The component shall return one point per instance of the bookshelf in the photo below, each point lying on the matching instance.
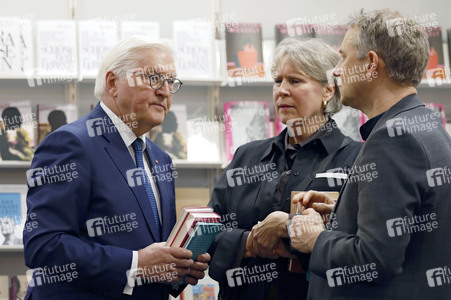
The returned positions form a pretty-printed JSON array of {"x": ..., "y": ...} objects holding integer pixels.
[{"x": 203, "y": 97}]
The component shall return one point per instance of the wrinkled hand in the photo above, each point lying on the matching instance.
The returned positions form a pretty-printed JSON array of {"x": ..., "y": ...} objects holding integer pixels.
[
  {"x": 267, "y": 234},
  {"x": 305, "y": 229},
  {"x": 168, "y": 264},
  {"x": 320, "y": 202},
  {"x": 198, "y": 269}
]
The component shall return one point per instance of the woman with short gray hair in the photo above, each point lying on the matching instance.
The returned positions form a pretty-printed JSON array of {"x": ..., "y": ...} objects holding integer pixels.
[{"x": 250, "y": 259}]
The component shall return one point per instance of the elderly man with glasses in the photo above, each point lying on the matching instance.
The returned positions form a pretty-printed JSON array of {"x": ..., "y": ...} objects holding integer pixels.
[{"x": 100, "y": 235}]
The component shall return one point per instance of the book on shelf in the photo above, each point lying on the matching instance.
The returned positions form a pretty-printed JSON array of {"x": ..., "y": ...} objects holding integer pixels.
[
  {"x": 171, "y": 135},
  {"x": 95, "y": 39},
  {"x": 16, "y": 47},
  {"x": 436, "y": 65},
  {"x": 4, "y": 287},
  {"x": 205, "y": 289},
  {"x": 56, "y": 48},
  {"x": 332, "y": 36},
  {"x": 17, "y": 125},
  {"x": 439, "y": 110},
  {"x": 204, "y": 140},
  {"x": 193, "y": 48},
  {"x": 294, "y": 265},
  {"x": 293, "y": 30},
  {"x": 52, "y": 116},
  {"x": 12, "y": 214},
  {"x": 186, "y": 223},
  {"x": 244, "y": 50},
  {"x": 145, "y": 28},
  {"x": 19, "y": 286},
  {"x": 246, "y": 121}
]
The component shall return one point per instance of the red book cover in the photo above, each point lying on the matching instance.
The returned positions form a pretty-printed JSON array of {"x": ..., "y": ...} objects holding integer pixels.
[
  {"x": 436, "y": 65},
  {"x": 244, "y": 50}
]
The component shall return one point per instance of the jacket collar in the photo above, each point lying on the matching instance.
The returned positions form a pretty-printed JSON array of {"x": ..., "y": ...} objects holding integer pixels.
[{"x": 331, "y": 139}]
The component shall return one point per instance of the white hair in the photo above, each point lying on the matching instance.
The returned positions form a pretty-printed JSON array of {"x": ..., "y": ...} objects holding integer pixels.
[{"x": 124, "y": 56}]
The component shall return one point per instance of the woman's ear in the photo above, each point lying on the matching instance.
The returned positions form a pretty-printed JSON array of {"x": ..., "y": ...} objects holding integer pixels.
[{"x": 329, "y": 91}]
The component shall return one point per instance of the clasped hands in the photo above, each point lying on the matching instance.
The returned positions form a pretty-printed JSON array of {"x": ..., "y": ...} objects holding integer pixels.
[
  {"x": 265, "y": 238},
  {"x": 171, "y": 264}
]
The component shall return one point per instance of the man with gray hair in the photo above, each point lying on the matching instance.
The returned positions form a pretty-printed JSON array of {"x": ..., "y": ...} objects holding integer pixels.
[
  {"x": 389, "y": 236},
  {"x": 101, "y": 235}
]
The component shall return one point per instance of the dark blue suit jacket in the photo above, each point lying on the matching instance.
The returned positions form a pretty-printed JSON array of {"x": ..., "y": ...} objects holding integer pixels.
[
  {"x": 385, "y": 223},
  {"x": 64, "y": 211}
]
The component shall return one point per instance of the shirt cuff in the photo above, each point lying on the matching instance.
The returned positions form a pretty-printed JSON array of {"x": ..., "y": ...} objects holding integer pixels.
[{"x": 128, "y": 290}]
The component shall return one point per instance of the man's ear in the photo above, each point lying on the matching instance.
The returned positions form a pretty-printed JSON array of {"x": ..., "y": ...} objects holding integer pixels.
[
  {"x": 110, "y": 83},
  {"x": 373, "y": 59}
]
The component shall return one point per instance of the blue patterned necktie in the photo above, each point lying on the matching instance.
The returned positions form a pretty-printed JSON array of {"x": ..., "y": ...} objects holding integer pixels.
[{"x": 138, "y": 148}]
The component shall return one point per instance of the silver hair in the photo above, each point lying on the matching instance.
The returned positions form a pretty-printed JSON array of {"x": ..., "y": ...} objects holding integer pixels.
[
  {"x": 314, "y": 58},
  {"x": 399, "y": 40},
  {"x": 125, "y": 56}
]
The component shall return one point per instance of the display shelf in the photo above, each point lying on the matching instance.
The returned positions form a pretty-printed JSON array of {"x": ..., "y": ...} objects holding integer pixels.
[
  {"x": 186, "y": 164},
  {"x": 11, "y": 248},
  {"x": 15, "y": 164}
]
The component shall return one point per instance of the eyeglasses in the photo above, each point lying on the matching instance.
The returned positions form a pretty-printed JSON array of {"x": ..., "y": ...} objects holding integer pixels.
[{"x": 157, "y": 81}]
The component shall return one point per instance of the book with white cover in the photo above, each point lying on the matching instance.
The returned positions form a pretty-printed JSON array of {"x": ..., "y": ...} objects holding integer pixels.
[
  {"x": 145, "y": 28},
  {"x": 193, "y": 47},
  {"x": 12, "y": 214},
  {"x": 95, "y": 39},
  {"x": 16, "y": 47},
  {"x": 56, "y": 47}
]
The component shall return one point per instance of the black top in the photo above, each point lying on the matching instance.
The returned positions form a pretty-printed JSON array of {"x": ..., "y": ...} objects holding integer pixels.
[{"x": 244, "y": 195}]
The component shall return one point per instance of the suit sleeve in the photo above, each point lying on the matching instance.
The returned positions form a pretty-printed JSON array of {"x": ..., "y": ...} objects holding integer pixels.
[
  {"x": 400, "y": 163},
  {"x": 227, "y": 249},
  {"x": 60, "y": 208}
]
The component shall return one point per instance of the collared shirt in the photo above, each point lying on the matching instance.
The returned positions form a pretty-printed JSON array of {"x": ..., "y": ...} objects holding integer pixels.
[
  {"x": 366, "y": 128},
  {"x": 129, "y": 137}
]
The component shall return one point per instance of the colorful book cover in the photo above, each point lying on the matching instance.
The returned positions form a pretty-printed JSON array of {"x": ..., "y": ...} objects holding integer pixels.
[
  {"x": 172, "y": 134},
  {"x": 293, "y": 30},
  {"x": 193, "y": 47},
  {"x": 19, "y": 286},
  {"x": 204, "y": 292},
  {"x": 244, "y": 50},
  {"x": 12, "y": 215},
  {"x": 17, "y": 124},
  {"x": 332, "y": 36},
  {"x": 16, "y": 47},
  {"x": 246, "y": 121},
  {"x": 439, "y": 109},
  {"x": 53, "y": 116},
  {"x": 436, "y": 64},
  {"x": 95, "y": 39}
]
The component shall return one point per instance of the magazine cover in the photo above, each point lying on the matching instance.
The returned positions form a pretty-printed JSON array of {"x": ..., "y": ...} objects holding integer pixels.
[
  {"x": 95, "y": 39},
  {"x": 53, "y": 116},
  {"x": 193, "y": 48},
  {"x": 16, "y": 47},
  {"x": 293, "y": 30},
  {"x": 17, "y": 124},
  {"x": 246, "y": 121},
  {"x": 332, "y": 36},
  {"x": 244, "y": 50},
  {"x": 439, "y": 109},
  {"x": 12, "y": 215},
  {"x": 436, "y": 64},
  {"x": 171, "y": 135}
]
